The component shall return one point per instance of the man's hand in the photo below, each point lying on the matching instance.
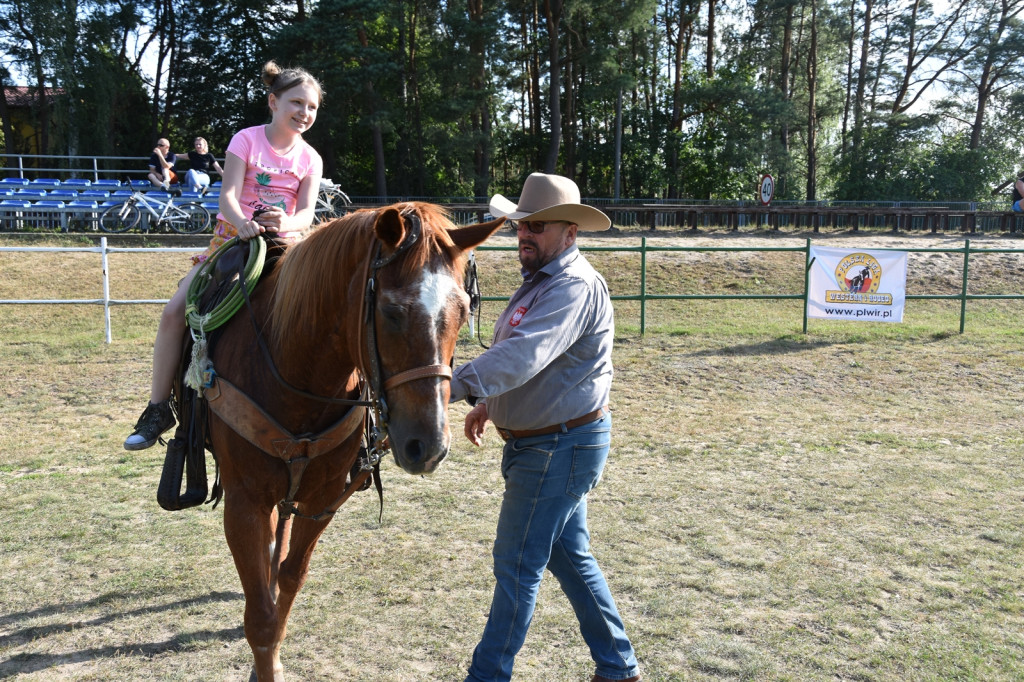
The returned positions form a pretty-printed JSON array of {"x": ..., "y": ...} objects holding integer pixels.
[{"x": 476, "y": 423}]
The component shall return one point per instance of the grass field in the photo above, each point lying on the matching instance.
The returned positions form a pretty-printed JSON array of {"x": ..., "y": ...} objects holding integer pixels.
[{"x": 844, "y": 504}]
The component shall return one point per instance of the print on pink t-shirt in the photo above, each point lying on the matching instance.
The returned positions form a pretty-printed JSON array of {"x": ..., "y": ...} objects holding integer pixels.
[{"x": 272, "y": 180}]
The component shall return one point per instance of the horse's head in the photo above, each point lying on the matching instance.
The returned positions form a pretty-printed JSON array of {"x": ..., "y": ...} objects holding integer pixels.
[{"x": 418, "y": 308}]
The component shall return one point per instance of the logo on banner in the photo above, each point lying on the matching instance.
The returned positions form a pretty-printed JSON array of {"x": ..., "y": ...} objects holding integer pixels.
[{"x": 858, "y": 276}]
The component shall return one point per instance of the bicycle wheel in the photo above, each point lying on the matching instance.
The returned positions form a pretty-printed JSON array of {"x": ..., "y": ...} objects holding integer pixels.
[
  {"x": 190, "y": 218},
  {"x": 120, "y": 217},
  {"x": 325, "y": 207}
]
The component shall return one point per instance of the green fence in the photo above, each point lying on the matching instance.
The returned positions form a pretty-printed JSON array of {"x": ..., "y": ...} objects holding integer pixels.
[{"x": 643, "y": 297}]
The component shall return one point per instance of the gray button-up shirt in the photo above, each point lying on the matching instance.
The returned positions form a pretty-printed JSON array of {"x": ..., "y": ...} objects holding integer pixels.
[{"x": 551, "y": 358}]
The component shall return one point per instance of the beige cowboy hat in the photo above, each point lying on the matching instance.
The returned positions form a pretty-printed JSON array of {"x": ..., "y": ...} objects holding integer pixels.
[{"x": 550, "y": 197}]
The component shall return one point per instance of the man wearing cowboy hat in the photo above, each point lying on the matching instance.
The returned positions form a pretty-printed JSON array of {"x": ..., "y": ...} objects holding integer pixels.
[{"x": 544, "y": 383}]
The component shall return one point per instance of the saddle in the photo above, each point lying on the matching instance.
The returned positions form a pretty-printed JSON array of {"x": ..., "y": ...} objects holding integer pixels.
[{"x": 186, "y": 451}]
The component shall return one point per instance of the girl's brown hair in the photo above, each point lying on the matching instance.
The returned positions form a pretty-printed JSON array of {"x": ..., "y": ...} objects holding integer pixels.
[{"x": 278, "y": 80}]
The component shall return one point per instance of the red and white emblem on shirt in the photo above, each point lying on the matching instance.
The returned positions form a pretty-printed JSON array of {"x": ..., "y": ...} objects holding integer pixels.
[{"x": 517, "y": 317}]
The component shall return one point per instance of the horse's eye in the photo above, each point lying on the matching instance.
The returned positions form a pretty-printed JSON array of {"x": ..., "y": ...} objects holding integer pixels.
[{"x": 393, "y": 314}]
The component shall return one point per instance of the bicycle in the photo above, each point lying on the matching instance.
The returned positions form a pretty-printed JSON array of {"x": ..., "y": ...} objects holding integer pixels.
[
  {"x": 331, "y": 202},
  {"x": 188, "y": 218}
]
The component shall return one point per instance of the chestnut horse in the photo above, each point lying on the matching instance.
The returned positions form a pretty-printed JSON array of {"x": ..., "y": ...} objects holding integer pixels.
[{"x": 360, "y": 318}]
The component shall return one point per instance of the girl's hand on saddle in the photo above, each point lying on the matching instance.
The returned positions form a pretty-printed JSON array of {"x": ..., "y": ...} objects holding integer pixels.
[
  {"x": 271, "y": 220},
  {"x": 263, "y": 220},
  {"x": 249, "y": 229}
]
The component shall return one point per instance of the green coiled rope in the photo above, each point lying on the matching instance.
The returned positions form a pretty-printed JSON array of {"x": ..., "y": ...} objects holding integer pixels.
[{"x": 226, "y": 309}]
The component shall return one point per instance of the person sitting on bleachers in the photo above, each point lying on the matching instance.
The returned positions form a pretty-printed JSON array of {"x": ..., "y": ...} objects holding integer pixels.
[
  {"x": 201, "y": 162},
  {"x": 161, "y": 165}
]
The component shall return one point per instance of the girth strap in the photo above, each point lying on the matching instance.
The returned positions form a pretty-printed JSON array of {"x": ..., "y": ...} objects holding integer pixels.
[{"x": 250, "y": 421}]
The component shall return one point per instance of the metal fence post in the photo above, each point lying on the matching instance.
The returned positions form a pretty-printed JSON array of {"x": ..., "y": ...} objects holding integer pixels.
[
  {"x": 106, "y": 288},
  {"x": 963, "y": 287},
  {"x": 807, "y": 279},
  {"x": 643, "y": 285}
]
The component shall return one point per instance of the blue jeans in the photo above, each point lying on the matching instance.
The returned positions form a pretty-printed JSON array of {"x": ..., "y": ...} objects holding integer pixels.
[
  {"x": 196, "y": 180},
  {"x": 543, "y": 524}
]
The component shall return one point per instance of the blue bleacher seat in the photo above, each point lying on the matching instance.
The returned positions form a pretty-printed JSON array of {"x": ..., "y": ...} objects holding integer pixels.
[
  {"x": 15, "y": 203},
  {"x": 76, "y": 183},
  {"x": 14, "y": 182},
  {"x": 61, "y": 195},
  {"x": 30, "y": 193},
  {"x": 188, "y": 194},
  {"x": 93, "y": 194},
  {"x": 122, "y": 193},
  {"x": 158, "y": 194},
  {"x": 213, "y": 206},
  {"x": 103, "y": 182},
  {"x": 82, "y": 204},
  {"x": 49, "y": 203},
  {"x": 45, "y": 182}
]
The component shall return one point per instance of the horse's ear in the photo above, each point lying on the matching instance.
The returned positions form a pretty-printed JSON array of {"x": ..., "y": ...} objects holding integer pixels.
[
  {"x": 474, "y": 235},
  {"x": 389, "y": 227}
]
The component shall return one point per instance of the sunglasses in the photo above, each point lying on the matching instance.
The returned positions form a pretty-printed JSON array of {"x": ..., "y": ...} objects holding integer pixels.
[{"x": 534, "y": 226}]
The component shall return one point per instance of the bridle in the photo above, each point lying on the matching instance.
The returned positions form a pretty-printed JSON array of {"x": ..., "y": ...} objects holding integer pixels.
[
  {"x": 373, "y": 385},
  {"x": 369, "y": 352}
]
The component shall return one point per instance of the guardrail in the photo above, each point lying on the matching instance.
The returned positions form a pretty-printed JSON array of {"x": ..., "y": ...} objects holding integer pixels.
[
  {"x": 105, "y": 300},
  {"x": 20, "y": 215},
  {"x": 641, "y": 296}
]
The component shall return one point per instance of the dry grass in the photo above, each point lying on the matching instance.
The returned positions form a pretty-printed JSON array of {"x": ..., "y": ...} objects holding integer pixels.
[{"x": 841, "y": 505}]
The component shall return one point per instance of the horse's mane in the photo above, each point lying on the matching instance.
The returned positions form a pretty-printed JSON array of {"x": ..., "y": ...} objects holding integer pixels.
[{"x": 315, "y": 275}]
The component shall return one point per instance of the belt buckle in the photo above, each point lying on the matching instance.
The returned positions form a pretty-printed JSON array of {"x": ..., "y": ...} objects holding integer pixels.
[{"x": 505, "y": 434}]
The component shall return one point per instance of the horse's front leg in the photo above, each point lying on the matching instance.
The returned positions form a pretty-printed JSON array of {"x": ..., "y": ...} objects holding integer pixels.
[
  {"x": 250, "y": 530},
  {"x": 293, "y": 571}
]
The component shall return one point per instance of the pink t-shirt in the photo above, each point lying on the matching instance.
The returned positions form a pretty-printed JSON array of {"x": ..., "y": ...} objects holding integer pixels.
[{"x": 272, "y": 179}]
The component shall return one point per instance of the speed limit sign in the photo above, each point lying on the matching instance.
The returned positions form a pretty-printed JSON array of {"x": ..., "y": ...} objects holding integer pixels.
[{"x": 767, "y": 189}]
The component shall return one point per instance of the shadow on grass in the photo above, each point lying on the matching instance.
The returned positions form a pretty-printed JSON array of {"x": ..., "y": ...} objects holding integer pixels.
[
  {"x": 779, "y": 346},
  {"x": 25, "y": 662}
]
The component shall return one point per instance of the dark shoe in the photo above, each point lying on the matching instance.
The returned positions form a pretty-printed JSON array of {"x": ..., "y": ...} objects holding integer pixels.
[
  {"x": 157, "y": 419},
  {"x": 601, "y": 678}
]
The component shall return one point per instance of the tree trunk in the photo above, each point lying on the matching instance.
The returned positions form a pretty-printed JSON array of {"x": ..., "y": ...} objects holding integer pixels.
[
  {"x": 552, "y": 17},
  {"x": 480, "y": 118},
  {"x": 862, "y": 76},
  {"x": 848, "y": 100},
  {"x": 710, "y": 58},
  {"x": 380, "y": 183},
  {"x": 812, "y": 113},
  {"x": 618, "y": 146},
  {"x": 680, "y": 44},
  {"x": 784, "y": 90},
  {"x": 5, "y": 117}
]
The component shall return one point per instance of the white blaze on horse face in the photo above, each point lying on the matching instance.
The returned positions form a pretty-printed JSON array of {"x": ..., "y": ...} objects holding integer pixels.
[{"x": 435, "y": 295}]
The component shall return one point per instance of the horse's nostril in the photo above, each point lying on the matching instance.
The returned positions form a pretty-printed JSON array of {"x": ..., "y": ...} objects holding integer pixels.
[{"x": 414, "y": 450}]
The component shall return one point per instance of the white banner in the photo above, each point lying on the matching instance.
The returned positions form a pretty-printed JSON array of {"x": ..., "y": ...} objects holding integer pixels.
[{"x": 847, "y": 284}]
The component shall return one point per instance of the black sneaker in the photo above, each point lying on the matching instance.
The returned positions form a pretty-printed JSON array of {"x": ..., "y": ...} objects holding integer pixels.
[{"x": 157, "y": 419}]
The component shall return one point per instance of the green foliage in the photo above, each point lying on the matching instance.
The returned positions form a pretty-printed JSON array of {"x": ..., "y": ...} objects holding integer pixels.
[
  {"x": 728, "y": 119},
  {"x": 427, "y": 99}
]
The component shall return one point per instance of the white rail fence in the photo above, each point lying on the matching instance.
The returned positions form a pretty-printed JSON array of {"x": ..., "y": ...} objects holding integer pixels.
[{"x": 105, "y": 301}]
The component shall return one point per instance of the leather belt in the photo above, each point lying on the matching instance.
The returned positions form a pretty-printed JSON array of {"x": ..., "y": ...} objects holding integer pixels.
[{"x": 509, "y": 434}]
